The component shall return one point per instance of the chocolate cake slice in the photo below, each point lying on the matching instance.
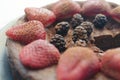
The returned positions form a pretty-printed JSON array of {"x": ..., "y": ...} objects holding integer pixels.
[{"x": 99, "y": 41}]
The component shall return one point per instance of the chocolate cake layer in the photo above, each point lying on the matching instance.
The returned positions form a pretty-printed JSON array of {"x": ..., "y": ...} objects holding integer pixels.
[{"x": 100, "y": 39}]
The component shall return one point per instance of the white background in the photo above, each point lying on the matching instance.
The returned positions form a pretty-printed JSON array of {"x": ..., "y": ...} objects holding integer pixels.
[{"x": 11, "y": 9}]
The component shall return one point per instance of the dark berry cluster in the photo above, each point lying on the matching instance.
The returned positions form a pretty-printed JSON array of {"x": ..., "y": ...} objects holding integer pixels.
[
  {"x": 100, "y": 21},
  {"x": 79, "y": 33},
  {"x": 76, "y": 20},
  {"x": 81, "y": 30},
  {"x": 62, "y": 28},
  {"x": 59, "y": 42},
  {"x": 88, "y": 26}
]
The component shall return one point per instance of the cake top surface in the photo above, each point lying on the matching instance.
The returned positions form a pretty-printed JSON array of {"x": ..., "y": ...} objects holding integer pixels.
[{"x": 91, "y": 25}]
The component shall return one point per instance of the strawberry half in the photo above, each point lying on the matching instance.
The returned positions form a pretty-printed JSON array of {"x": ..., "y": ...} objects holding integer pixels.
[
  {"x": 115, "y": 13},
  {"x": 44, "y": 15},
  {"x": 66, "y": 9},
  {"x": 39, "y": 54},
  {"x": 94, "y": 7},
  {"x": 27, "y": 32},
  {"x": 111, "y": 63},
  {"x": 77, "y": 63}
]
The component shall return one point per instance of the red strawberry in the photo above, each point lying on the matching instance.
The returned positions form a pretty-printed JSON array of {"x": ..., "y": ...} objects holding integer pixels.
[
  {"x": 77, "y": 63},
  {"x": 111, "y": 63},
  {"x": 39, "y": 54},
  {"x": 66, "y": 8},
  {"x": 115, "y": 13},
  {"x": 27, "y": 32},
  {"x": 44, "y": 15},
  {"x": 93, "y": 7}
]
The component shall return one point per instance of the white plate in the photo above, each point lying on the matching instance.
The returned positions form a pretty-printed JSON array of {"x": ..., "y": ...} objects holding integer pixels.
[{"x": 5, "y": 71}]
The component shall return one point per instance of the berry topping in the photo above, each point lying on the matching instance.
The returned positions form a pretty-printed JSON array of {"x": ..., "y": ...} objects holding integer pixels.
[
  {"x": 77, "y": 19},
  {"x": 39, "y": 54},
  {"x": 88, "y": 26},
  {"x": 27, "y": 32},
  {"x": 111, "y": 63},
  {"x": 79, "y": 33},
  {"x": 78, "y": 63},
  {"x": 93, "y": 7},
  {"x": 115, "y": 13},
  {"x": 43, "y": 15},
  {"x": 66, "y": 9},
  {"x": 59, "y": 42},
  {"x": 62, "y": 28},
  {"x": 100, "y": 21}
]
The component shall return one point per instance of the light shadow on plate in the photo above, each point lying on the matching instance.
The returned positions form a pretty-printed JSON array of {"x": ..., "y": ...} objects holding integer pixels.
[{"x": 5, "y": 71}]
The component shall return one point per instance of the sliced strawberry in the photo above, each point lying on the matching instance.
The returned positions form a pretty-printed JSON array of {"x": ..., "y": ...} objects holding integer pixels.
[
  {"x": 44, "y": 15},
  {"x": 65, "y": 9},
  {"x": 77, "y": 63},
  {"x": 115, "y": 13},
  {"x": 39, "y": 54},
  {"x": 93, "y": 7},
  {"x": 111, "y": 63},
  {"x": 27, "y": 32}
]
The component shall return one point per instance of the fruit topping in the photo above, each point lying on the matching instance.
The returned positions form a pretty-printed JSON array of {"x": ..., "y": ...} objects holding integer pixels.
[
  {"x": 44, "y": 15},
  {"x": 76, "y": 20},
  {"x": 111, "y": 63},
  {"x": 77, "y": 63},
  {"x": 93, "y": 7},
  {"x": 79, "y": 33},
  {"x": 27, "y": 32},
  {"x": 115, "y": 13},
  {"x": 66, "y": 9},
  {"x": 39, "y": 54},
  {"x": 59, "y": 42},
  {"x": 88, "y": 26},
  {"x": 100, "y": 21},
  {"x": 62, "y": 28}
]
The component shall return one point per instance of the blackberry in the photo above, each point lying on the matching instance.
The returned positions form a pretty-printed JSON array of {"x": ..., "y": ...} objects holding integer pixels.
[
  {"x": 77, "y": 19},
  {"x": 100, "y": 21},
  {"x": 59, "y": 42},
  {"x": 88, "y": 26},
  {"x": 79, "y": 33},
  {"x": 62, "y": 28}
]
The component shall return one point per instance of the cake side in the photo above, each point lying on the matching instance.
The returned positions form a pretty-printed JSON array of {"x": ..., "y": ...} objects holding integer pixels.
[{"x": 50, "y": 72}]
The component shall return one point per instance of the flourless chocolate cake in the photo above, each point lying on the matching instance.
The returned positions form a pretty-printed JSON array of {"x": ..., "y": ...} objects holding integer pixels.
[{"x": 99, "y": 32}]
